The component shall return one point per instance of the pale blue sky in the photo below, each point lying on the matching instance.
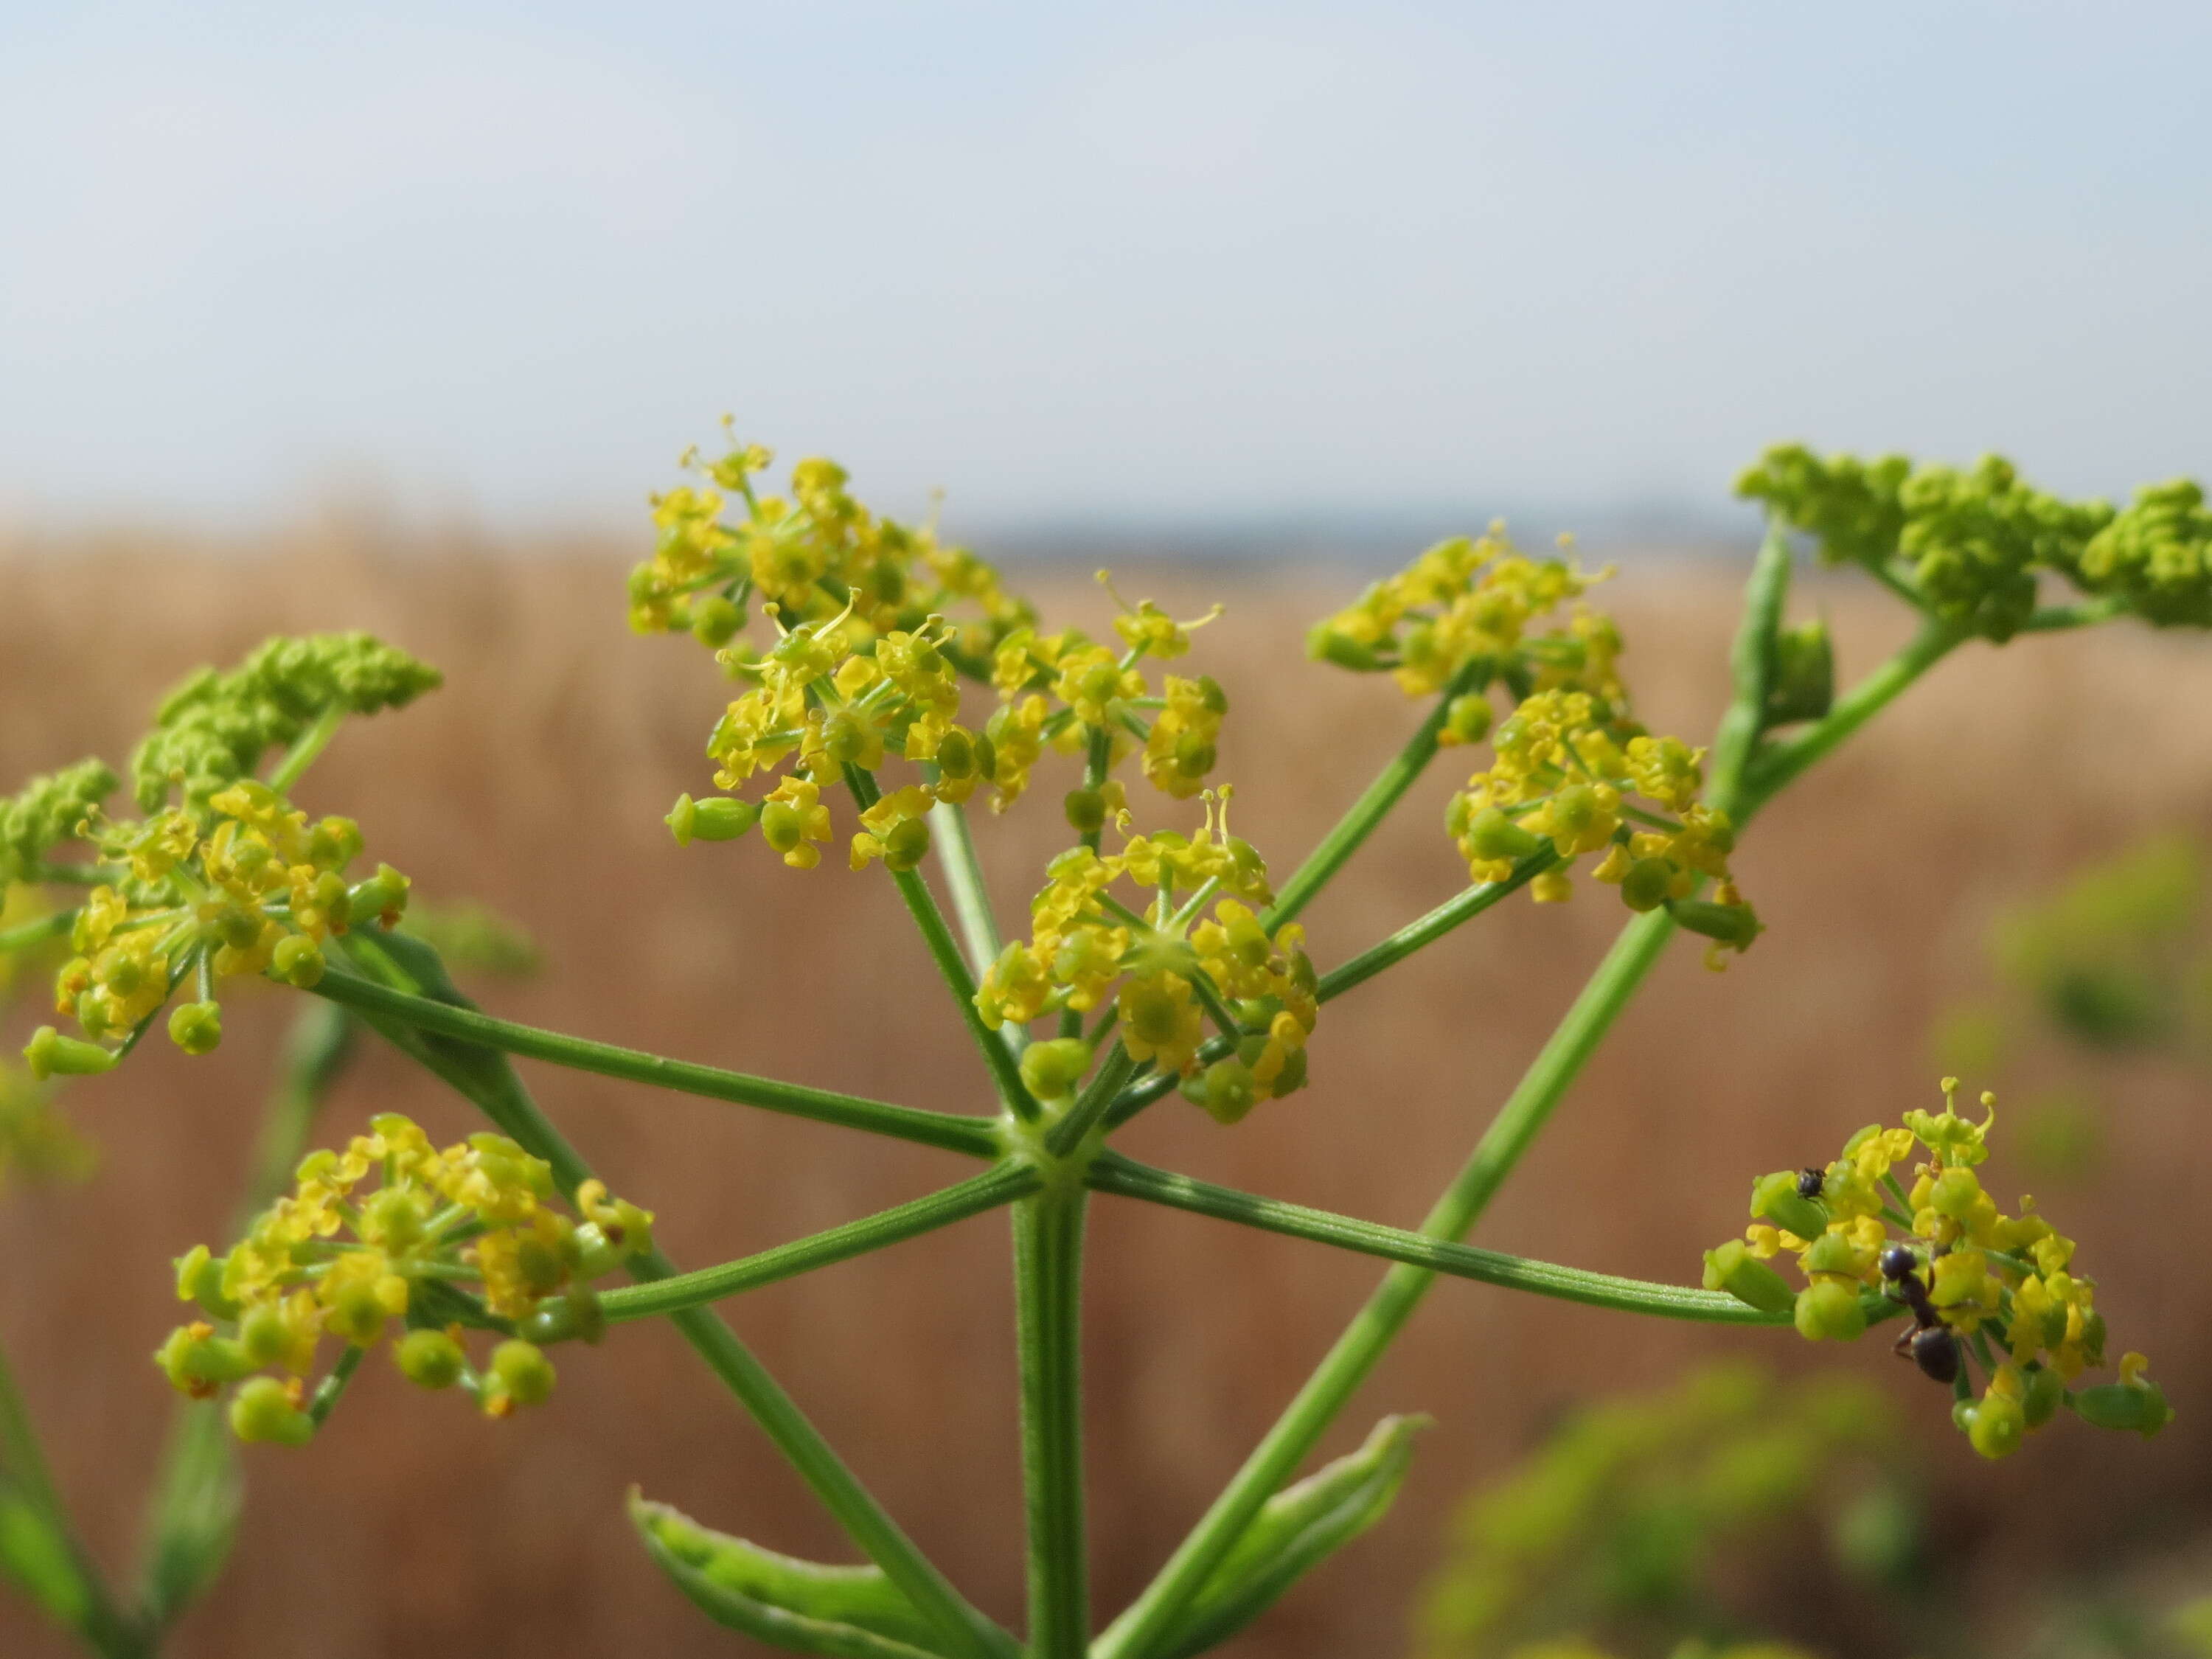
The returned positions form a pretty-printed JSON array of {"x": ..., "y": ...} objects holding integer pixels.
[{"x": 1178, "y": 263}]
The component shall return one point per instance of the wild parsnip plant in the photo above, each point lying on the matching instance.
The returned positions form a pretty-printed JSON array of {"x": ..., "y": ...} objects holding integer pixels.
[{"x": 887, "y": 685}]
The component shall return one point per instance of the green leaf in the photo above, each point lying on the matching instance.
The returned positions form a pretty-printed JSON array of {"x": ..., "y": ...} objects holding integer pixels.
[
  {"x": 849, "y": 1613},
  {"x": 1294, "y": 1530},
  {"x": 193, "y": 1517},
  {"x": 39, "y": 1559}
]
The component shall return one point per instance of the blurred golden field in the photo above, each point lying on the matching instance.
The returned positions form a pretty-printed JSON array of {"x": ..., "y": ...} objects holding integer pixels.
[{"x": 536, "y": 782}]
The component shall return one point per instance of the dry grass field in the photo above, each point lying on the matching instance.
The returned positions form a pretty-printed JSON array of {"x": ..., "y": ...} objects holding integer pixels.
[{"x": 536, "y": 782}]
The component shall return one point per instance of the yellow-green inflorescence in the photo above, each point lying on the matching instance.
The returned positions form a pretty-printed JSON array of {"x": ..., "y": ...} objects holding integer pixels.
[
  {"x": 1985, "y": 1291},
  {"x": 1567, "y": 760},
  {"x": 855, "y": 639},
  {"x": 853, "y": 635},
  {"x": 1168, "y": 969},
  {"x": 393, "y": 1235},
  {"x": 1972, "y": 543},
  {"x": 221, "y": 876}
]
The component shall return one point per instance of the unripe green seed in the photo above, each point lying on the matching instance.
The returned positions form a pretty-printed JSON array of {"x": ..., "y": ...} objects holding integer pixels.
[
  {"x": 1645, "y": 886},
  {"x": 1468, "y": 718},
  {"x": 1085, "y": 810},
  {"x": 523, "y": 1370},
  {"x": 49, "y": 1054},
  {"x": 906, "y": 844},
  {"x": 1732, "y": 1267},
  {"x": 299, "y": 961},
  {"x": 955, "y": 755},
  {"x": 1491, "y": 835},
  {"x": 1775, "y": 1198},
  {"x": 1995, "y": 1425},
  {"x": 1829, "y": 1311},
  {"x": 1053, "y": 1069},
  {"x": 197, "y": 1027},
  {"x": 715, "y": 620},
  {"x": 262, "y": 1409},
  {"x": 430, "y": 1359}
]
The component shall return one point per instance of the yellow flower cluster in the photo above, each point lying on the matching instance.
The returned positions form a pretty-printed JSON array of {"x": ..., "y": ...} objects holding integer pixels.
[
  {"x": 1469, "y": 603},
  {"x": 1564, "y": 767},
  {"x": 1981, "y": 1286},
  {"x": 1568, "y": 756},
  {"x": 251, "y": 887},
  {"x": 343, "y": 1255},
  {"x": 810, "y": 554},
  {"x": 875, "y": 628},
  {"x": 1168, "y": 966}
]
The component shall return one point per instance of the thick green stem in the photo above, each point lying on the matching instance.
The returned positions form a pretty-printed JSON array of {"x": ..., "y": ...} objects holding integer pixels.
[
  {"x": 974, "y": 1136},
  {"x": 1752, "y": 664},
  {"x": 1369, "y": 810},
  {"x": 1113, "y": 1173},
  {"x": 485, "y": 1077},
  {"x": 1148, "y": 1619},
  {"x": 1779, "y": 765},
  {"x": 1002, "y": 1184},
  {"x": 1048, "y": 1328},
  {"x": 305, "y": 747}
]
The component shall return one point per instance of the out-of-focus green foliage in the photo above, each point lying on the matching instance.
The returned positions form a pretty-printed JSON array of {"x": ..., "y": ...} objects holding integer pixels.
[
  {"x": 1618, "y": 1527},
  {"x": 475, "y": 938}
]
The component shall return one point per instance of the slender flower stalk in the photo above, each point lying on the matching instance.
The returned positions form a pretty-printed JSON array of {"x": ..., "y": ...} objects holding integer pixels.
[
  {"x": 975, "y": 1137},
  {"x": 1001, "y": 1184}
]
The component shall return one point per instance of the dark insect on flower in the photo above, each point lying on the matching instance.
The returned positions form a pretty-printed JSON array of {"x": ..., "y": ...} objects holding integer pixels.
[
  {"x": 1935, "y": 1349},
  {"x": 1898, "y": 1261},
  {"x": 1810, "y": 1180}
]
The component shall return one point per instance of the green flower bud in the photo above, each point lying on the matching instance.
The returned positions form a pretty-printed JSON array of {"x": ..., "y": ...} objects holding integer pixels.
[
  {"x": 1804, "y": 683},
  {"x": 394, "y": 1217},
  {"x": 2140, "y": 1406},
  {"x": 1210, "y": 694},
  {"x": 1291, "y": 1078},
  {"x": 715, "y": 620},
  {"x": 1194, "y": 755},
  {"x": 522, "y": 1372},
  {"x": 329, "y": 894},
  {"x": 987, "y": 756},
  {"x": 1828, "y": 1311},
  {"x": 1732, "y": 1267},
  {"x": 1995, "y": 1425},
  {"x": 120, "y": 970},
  {"x": 49, "y": 1054},
  {"x": 430, "y": 1359},
  {"x": 197, "y": 1027},
  {"x": 718, "y": 817},
  {"x": 1775, "y": 1198},
  {"x": 1053, "y": 1069},
  {"x": 299, "y": 961},
  {"x": 1085, "y": 810},
  {"x": 1468, "y": 717},
  {"x": 262, "y": 1409},
  {"x": 1325, "y": 644},
  {"x": 1491, "y": 835},
  {"x": 335, "y": 843}
]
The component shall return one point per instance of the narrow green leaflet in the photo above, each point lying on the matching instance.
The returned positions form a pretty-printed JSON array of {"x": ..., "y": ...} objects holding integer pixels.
[
  {"x": 1296, "y": 1529},
  {"x": 846, "y": 1611},
  {"x": 194, "y": 1515},
  {"x": 38, "y": 1560}
]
